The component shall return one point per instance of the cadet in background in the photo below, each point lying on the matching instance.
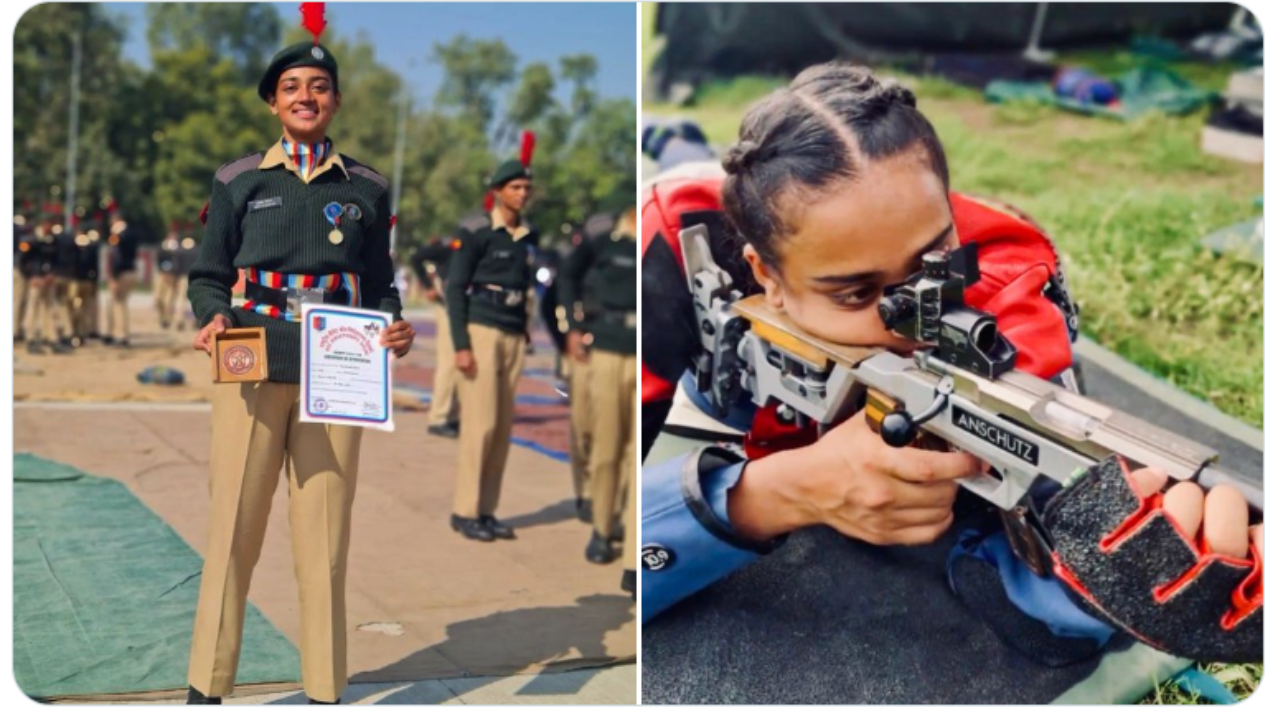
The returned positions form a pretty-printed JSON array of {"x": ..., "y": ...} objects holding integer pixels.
[
  {"x": 431, "y": 266},
  {"x": 603, "y": 338}
]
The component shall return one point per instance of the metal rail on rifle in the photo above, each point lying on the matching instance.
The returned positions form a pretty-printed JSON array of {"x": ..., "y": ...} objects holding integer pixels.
[{"x": 963, "y": 389}]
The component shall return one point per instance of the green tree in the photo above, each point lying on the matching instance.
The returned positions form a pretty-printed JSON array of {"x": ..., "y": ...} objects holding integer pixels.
[
  {"x": 474, "y": 72},
  {"x": 247, "y": 33},
  {"x": 580, "y": 71},
  {"x": 211, "y": 123},
  {"x": 532, "y": 98},
  {"x": 43, "y": 42}
]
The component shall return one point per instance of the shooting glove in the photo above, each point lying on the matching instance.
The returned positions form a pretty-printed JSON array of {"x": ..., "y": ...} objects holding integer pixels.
[{"x": 1131, "y": 566}]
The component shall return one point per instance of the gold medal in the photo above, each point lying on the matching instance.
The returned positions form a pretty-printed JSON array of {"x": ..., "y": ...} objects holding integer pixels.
[{"x": 335, "y": 236}]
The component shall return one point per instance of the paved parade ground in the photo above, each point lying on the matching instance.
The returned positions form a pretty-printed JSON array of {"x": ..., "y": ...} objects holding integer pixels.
[{"x": 432, "y": 618}]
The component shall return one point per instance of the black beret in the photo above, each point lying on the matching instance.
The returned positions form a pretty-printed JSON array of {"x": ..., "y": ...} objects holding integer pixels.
[
  {"x": 304, "y": 54},
  {"x": 508, "y": 171}
]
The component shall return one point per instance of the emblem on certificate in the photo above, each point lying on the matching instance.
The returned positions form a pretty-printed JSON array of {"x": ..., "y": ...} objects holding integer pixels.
[{"x": 240, "y": 355}]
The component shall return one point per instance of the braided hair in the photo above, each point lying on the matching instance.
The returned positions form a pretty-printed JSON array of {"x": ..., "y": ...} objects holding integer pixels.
[{"x": 824, "y": 127}]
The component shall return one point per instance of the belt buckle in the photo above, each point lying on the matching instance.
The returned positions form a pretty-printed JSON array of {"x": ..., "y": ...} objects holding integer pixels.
[
  {"x": 295, "y": 298},
  {"x": 513, "y": 298}
]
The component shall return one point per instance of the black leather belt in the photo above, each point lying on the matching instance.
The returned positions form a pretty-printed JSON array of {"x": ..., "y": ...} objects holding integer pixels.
[
  {"x": 291, "y": 299},
  {"x": 506, "y": 297}
]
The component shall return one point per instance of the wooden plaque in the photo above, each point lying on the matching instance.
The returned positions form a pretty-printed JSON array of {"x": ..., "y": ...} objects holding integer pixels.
[{"x": 240, "y": 355}]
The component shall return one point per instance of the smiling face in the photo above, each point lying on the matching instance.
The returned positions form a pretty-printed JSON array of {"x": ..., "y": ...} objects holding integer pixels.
[
  {"x": 849, "y": 241},
  {"x": 305, "y": 101}
]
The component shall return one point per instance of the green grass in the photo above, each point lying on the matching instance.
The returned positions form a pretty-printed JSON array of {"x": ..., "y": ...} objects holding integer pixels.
[
  {"x": 939, "y": 89},
  {"x": 1241, "y": 680},
  {"x": 1126, "y": 206},
  {"x": 1108, "y": 63}
]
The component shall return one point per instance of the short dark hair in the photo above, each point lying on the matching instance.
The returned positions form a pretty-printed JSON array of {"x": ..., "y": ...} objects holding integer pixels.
[{"x": 821, "y": 128}]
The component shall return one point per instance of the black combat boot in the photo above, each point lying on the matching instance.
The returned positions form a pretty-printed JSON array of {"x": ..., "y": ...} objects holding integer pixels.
[
  {"x": 599, "y": 551},
  {"x": 500, "y": 530},
  {"x": 444, "y": 431},
  {"x": 471, "y": 529}
]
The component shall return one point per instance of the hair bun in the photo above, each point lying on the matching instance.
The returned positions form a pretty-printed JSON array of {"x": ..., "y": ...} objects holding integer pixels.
[{"x": 740, "y": 156}]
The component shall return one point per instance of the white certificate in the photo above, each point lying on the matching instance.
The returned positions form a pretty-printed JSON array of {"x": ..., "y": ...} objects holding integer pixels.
[{"x": 346, "y": 373}]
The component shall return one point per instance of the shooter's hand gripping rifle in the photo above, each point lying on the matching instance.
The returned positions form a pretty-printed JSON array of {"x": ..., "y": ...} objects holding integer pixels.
[{"x": 1096, "y": 535}]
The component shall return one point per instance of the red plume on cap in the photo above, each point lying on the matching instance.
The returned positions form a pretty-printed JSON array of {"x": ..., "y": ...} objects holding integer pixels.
[
  {"x": 526, "y": 148},
  {"x": 313, "y": 19}
]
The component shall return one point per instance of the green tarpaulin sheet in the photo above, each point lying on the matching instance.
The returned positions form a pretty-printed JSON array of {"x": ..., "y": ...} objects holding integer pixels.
[
  {"x": 1141, "y": 91},
  {"x": 105, "y": 592}
]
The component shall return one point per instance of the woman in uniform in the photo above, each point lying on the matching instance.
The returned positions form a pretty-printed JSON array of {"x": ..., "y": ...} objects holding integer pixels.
[{"x": 297, "y": 216}]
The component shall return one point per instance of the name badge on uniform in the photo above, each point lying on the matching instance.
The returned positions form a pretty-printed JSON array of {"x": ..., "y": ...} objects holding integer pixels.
[{"x": 274, "y": 202}]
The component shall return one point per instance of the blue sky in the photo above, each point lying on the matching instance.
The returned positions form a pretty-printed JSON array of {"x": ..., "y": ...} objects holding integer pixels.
[{"x": 405, "y": 31}]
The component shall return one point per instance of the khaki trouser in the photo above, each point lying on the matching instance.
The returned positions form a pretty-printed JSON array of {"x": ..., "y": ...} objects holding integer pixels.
[
  {"x": 170, "y": 287},
  {"x": 47, "y": 318},
  {"x": 444, "y": 401},
  {"x": 613, "y": 399},
  {"x": 580, "y": 426},
  {"x": 118, "y": 315},
  {"x": 84, "y": 307},
  {"x": 488, "y": 410},
  {"x": 255, "y": 432},
  {"x": 19, "y": 301}
]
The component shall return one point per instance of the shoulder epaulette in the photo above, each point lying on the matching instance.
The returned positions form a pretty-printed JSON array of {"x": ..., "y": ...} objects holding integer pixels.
[
  {"x": 478, "y": 220},
  {"x": 356, "y": 167},
  {"x": 233, "y": 169}
]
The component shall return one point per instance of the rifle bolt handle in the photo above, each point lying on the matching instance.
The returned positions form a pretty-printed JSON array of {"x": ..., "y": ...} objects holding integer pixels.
[{"x": 898, "y": 429}]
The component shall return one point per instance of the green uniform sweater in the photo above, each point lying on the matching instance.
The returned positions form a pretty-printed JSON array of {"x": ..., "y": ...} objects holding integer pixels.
[
  {"x": 487, "y": 256},
  {"x": 269, "y": 219},
  {"x": 601, "y": 274}
]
